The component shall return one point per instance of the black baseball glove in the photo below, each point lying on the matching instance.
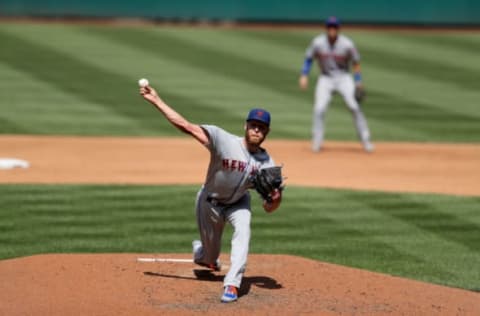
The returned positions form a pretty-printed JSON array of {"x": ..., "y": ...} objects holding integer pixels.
[
  {"x": 360, "y": 94},
  {"x": 266, "y": 180}
]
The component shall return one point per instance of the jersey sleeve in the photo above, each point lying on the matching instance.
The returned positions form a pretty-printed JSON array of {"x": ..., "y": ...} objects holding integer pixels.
[
  {"x": 213, "y": 136},
  {"x": 355, "y": 55},
  {"x": 310, "y": 51}
]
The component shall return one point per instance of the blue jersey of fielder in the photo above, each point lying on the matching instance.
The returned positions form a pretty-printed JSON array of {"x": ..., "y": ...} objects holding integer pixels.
[
  {"x": 333, "y": 59},
  {"x": 230, "y": 166}
]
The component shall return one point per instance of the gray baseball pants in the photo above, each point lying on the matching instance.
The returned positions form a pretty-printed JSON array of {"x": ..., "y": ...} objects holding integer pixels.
[
  {"x": 211, "y": 219},
  {"x": 326, "y": 85}
]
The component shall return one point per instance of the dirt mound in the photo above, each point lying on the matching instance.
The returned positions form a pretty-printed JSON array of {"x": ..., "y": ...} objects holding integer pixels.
[
  {"x": 116, "y": 284},
  {"x": 398, "y": 167}
]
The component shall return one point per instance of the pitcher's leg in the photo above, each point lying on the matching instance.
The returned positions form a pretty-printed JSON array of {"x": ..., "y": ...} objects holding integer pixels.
[
  {"x": 240, "y": 220},
  {"x": 323, "y": 93},
  {"x": 210, "y": 222}
]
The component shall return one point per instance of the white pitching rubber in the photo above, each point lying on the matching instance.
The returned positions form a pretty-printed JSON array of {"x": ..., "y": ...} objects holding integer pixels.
[{"x": 164, "y": 260}]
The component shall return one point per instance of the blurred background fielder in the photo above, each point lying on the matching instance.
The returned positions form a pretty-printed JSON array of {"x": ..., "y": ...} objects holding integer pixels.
[{"x": 335, "y": 53}]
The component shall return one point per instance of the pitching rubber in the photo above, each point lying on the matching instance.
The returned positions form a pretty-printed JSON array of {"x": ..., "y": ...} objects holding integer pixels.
[{"x": 164, "y": 260}]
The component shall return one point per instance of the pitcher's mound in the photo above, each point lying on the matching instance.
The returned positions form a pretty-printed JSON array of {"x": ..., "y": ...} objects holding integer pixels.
[{"x": 116, "y": 284}]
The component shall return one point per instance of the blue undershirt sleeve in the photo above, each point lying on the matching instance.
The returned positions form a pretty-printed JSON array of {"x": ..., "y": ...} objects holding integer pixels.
[{"x": 307, "y": 64}]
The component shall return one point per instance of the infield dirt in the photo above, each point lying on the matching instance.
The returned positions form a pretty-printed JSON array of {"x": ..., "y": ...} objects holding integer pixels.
[
  {"x": 275, "y": 285},
  {"x": 115, "y": 284},
  {"x": 396, "y": 167}
]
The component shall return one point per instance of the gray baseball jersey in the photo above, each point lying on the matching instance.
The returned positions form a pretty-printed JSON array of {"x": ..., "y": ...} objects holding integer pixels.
[
  {"x": 230, "y": 165},
  {"x": 333, "y": 59}
]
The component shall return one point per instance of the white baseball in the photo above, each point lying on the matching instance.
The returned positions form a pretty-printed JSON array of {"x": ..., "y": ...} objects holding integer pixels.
[{"x": 143, "y": 82}]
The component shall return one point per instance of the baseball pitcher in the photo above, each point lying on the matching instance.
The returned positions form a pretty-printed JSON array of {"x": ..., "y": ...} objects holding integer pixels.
[
  {"x": 335, "y": 53},
  {"x": 236, "y": 165}
]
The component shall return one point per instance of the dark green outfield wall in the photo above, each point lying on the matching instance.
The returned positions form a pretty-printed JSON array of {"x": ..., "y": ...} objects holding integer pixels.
[{"x": 366, "y": 11}]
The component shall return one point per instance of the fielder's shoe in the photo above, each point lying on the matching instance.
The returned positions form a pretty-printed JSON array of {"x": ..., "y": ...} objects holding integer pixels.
[
  {"x": 316, "y": 147},
  {"x": 230, "y": 294},
  {"x": 368, "y": 146}
]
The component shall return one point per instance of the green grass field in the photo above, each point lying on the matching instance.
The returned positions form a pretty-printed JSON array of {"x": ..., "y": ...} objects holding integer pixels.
[
  {"x": 82, "y": 80},
  {"x": 425, "y": 237}
]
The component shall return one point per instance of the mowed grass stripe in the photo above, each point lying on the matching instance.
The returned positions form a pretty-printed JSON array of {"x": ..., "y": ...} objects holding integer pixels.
[
  {"x": 214, "y": 99},
  {"x": 96, "y": 85},
  {"x": 420, "y": 47},
  {"x": 200, "y": 92},
  {"x": 383, "y": 110},
  {"x": 423, "y": 68},
  {"x": 356, "y": 230},
  {"x": 339, "y": 120},
  {"x": 68, "y": 229},
  {"x": 116, "y": 215},
  {"x": 377, "y": 51},
  {"x": 426, "y": 216},
  {"x": 418, "y": 118},
  {"x": 240, "y": 94},
  {"x": 45, "y": 109},
  {"x": 466, "y": 45},
  {"x": 426, "y": 124},
  {"x": 244, "y": 44},
  {"x": 372, "y": 221},
  {"x": 434, "y": 50},
  {"x": 73, "y": 76},
  {"x": 8, "y": 79},
  {"x": 403, "y": 84},
  {"x": 11, "y": 127},
  {"x": 331, "y": 225},
  {"x": 329, "y": 239},
  {"x": 222, "y": 90},
  {"x": 292, "y": 110},
  {"x": 208, "y": 58}
]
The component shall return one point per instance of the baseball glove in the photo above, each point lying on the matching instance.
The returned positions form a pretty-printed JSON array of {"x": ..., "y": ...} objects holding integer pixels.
[
  {"x": 360, "y": 94},
  {"x": 266, "y": 180}
]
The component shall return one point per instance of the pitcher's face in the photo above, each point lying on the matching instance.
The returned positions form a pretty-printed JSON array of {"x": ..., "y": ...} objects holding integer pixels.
[{"x": 255, "y": 132}]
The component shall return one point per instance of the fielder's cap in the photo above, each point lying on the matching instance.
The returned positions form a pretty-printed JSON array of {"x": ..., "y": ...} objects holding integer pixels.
[
  {"x": 259, "y": 115},
  {"x": 332, "y": 21}
]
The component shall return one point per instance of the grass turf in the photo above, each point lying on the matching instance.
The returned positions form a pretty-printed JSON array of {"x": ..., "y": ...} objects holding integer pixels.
[
  {"x": 82, "y": 81},
  {"x": 425, "y": 237}
]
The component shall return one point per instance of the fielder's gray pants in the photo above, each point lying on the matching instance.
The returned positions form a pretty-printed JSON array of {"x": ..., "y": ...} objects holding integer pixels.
[
  {"x": 211, "y": 221},
  {"x": 326, "y": 85}
]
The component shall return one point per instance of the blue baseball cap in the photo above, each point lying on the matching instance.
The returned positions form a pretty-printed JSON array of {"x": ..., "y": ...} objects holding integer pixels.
[
  {"x": 260, "y": 115},
  {"x": 332, "y": 22}
]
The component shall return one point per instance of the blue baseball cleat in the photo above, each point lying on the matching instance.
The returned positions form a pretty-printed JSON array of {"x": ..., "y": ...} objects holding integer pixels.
[{"x": 230, "y": 294}]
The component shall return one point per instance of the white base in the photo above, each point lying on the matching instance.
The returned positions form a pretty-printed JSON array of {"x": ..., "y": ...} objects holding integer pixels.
[{"x": 10, "y": 163}]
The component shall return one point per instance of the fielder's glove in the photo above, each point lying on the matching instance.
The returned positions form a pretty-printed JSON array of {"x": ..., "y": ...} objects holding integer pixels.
[
  {"x": 360, "y": 94},
  {"x": 266, "y": 180}
]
